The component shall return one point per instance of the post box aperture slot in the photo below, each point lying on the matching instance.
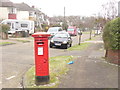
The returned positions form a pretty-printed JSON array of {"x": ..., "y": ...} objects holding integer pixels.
[{"x": 40, "y": 43}]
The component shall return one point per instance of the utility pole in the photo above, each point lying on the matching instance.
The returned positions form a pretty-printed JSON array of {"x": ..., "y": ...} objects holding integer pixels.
[
  {"x": 64, "y": 14},
  {"x": 64, "y": 21}
]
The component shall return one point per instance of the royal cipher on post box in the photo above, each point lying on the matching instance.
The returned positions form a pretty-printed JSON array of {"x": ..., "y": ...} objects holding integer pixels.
[{"x": 41, "y": 57}]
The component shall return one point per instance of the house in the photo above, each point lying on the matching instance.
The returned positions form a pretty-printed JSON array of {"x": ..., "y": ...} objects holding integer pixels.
[
  {"x": 7, "y": 10},
  {"x": 24, "y": 11},
  {"x": 40, "y": 18}
]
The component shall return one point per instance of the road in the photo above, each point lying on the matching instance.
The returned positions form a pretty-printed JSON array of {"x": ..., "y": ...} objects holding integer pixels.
[{"x": 18, "y": 58}]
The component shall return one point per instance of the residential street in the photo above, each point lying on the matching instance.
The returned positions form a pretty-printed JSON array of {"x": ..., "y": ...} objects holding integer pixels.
[
  {"x": 88, "y": 71},
  {"x": 19, "y": 57},
  {"x": 65, "y": 44}
]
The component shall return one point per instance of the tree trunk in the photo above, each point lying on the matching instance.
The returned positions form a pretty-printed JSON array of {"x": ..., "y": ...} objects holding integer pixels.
[
  {"x": 106, "y": 53},
  {"x": 4, "y": 35}
]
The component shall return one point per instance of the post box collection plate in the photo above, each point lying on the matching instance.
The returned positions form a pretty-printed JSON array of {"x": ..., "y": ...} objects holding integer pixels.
[{"x": 40, "y": 50}]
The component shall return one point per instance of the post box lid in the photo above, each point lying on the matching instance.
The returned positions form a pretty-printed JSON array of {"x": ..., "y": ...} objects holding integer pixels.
[{"x": 41, "y": 34}]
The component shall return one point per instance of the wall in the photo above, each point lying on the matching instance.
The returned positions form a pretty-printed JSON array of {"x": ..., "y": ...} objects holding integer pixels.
[
  {"x": 3, "y": 13},
  {"x": 24, "y": 15},
  {"x": 113, "y": 56}
]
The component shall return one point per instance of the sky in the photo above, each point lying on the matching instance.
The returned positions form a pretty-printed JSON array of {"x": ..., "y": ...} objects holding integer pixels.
[{"x": 72, "y": 7}]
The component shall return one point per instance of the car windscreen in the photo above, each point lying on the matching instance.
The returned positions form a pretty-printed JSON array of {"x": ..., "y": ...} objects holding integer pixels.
[
  {"x": 52, "y": 30},
  {"x": 70, "y": 29},
  {"x": 61, "y": 35}
]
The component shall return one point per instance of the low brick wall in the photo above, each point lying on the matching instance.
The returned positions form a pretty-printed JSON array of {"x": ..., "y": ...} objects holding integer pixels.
[{"x": 113, "y": 56}]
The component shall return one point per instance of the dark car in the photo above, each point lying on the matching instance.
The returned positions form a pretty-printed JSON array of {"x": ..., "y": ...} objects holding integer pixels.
[{"x": 62, "y": 39}]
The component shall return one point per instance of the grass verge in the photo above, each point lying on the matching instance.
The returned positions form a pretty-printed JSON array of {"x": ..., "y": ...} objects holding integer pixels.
[
  {"x": 88, "y": 32},
  {"x": 58, "y": 67},
  {"x": 79, "y": 47},
  {"x": 23, "y": 41},
  {"x": 6, "y": 43}
]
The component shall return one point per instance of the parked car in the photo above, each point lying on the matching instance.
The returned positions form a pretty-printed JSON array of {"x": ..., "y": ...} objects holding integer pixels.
[
  {"x": 54, "y": 30},
  {"x": 72, "y": 30},
  {"x": 61, "y": 39}
]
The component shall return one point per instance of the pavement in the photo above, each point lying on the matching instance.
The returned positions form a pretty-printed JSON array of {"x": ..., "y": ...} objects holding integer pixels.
[{"x": 90, "y": 70}]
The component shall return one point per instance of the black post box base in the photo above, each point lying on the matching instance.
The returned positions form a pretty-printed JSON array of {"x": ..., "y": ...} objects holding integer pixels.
[{"x": 41, "y": 80}]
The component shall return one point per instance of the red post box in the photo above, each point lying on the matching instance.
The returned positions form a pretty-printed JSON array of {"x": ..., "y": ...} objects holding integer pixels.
[{"x": 41, "y": 57}]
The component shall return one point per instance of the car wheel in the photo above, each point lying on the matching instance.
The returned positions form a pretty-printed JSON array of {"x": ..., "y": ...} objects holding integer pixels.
[
  {"x": 66, "y": 46},
  {"x": 51, "y": 45}
]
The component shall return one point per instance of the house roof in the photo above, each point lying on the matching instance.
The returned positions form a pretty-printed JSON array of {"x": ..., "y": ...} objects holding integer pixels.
[
  {"x": 6, "y": 3},
  {"x": 23, "y": 7}
]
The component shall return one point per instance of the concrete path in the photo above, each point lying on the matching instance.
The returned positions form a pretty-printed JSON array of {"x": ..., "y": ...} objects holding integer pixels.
[{"x": 90, "y": 70}]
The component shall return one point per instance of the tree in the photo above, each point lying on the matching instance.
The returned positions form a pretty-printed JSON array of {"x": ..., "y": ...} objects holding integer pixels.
[
  {"x": 64, "y": 25},
  {"x": 109, "y": 10},
  {"x": 4, "y": 28}
]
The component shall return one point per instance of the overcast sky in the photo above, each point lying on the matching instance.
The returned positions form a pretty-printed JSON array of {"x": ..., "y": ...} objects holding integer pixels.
[{"x": 73, "y": 7}]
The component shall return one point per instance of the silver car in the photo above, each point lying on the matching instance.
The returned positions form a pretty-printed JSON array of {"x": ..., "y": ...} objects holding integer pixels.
[{"x": 54, "y": 30}]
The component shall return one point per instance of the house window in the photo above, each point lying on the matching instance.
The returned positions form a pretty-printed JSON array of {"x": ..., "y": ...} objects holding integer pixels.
[
  {"x": 12, "y": 25},
  {"x": 31, "y": 14},
  {"x": 12, "y": 10},
  {"x": 8, "y": 23}
]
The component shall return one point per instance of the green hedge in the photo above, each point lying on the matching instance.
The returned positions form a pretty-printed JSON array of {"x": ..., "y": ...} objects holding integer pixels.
[{"x": 111, "y": 35}]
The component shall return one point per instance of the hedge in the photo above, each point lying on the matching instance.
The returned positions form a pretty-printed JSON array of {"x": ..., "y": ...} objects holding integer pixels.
[{"x": 111, "y": 35}]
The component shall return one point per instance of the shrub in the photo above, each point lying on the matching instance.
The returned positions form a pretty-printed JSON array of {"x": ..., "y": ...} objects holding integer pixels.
[
  {"x": 111, "y": 35},
  {"x": 56, "y": 25},
  {"x": 44, "y": 27},
  {"x": 4, "y": 28},
  {"x": 4, "y": 31}
]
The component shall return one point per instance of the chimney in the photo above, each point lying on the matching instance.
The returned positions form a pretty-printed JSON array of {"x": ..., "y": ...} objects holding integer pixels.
[{"x": 33, "y": 6}]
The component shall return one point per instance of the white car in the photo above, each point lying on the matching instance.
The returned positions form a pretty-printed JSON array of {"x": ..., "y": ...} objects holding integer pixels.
[{"x": 54, "y": 30}]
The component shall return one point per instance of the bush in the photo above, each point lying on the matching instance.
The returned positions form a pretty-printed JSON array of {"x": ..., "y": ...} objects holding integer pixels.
[
  {"x": 4, "y": 31},
  {"x": 56, "y": 25},
  {"x": 4, "y": 28},
  {"x": 44, "y": 27},
  {"x": 111, "y": 35}
]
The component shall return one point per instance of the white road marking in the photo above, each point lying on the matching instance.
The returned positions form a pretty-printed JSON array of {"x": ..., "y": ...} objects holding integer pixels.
[{"x": 10, "y": 77}]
